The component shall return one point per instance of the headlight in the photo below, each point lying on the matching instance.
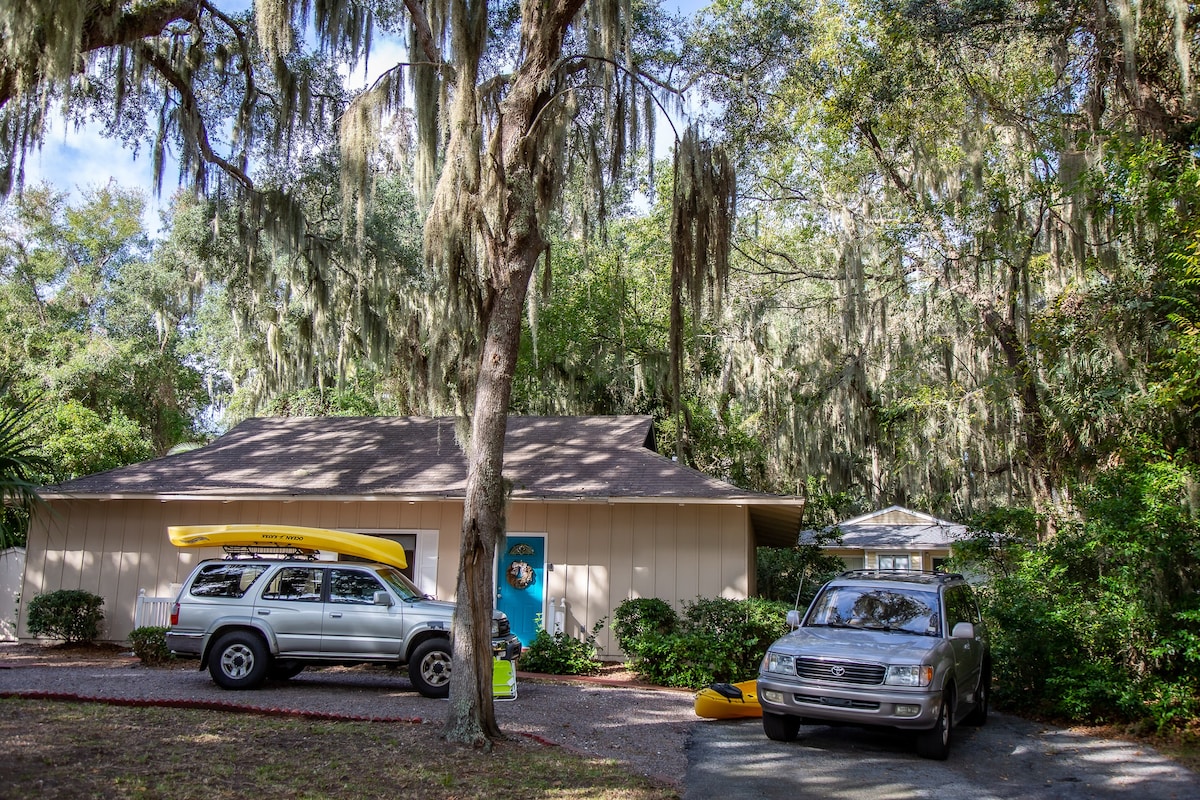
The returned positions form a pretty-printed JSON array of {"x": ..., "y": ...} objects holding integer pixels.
[
  {"x": 495, "y": 627},
  {"x": 919, "y": 675},
  {"x": 778, "y": 662}
]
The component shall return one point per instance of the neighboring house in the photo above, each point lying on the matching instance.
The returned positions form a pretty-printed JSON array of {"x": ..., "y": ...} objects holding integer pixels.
[
  {"x": 895, "y": 538},
  {"x": 595, "y": 516},
  {"x": 12, "y": 567}
]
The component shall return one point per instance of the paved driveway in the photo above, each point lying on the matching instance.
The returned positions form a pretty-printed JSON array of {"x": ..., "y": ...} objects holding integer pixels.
[{"x": 1007, "y": 758}]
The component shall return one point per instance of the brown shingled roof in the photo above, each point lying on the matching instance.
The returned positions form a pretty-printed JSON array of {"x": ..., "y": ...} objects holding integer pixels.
[{"x": 411, "y": 457}]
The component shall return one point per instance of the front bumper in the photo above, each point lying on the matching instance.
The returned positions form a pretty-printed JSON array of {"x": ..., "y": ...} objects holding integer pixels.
[
  {"x": 506, "y": 648},
  {"x": 892, "y": 706}
]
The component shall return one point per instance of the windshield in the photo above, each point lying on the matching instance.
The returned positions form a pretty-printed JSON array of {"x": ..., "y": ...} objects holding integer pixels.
[
  {"x": 874, "y": 608},
  {"x": 400, "y": 584}
]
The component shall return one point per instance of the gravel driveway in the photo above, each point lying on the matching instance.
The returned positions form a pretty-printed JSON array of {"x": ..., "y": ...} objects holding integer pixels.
[{"x": 657, "y": 734}]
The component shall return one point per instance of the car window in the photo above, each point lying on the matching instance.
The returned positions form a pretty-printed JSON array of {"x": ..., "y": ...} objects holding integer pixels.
[
  {"x": 960, "y": 607},
  {"x": 302, "y": 584},
  {"x": 226, "y": 579},
  {"x": 353, "y": 586},
  {"x": 400, "y": 584},
  {"x": 897, "y": 609}
]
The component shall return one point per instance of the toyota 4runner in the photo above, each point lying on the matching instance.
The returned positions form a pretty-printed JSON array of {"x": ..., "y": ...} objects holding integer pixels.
[
  {"x": 251, "y": 619},
  {"x": 899, "y": 649}
]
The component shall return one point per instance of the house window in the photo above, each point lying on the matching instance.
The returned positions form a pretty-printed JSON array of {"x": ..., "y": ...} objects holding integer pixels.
[{"x": 893, "y": 561}]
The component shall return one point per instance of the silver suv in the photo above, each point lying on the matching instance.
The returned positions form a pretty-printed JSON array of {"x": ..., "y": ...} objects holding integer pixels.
[
  {"x": 253, "y": 619},
  {"x": 899, "y": 649}
]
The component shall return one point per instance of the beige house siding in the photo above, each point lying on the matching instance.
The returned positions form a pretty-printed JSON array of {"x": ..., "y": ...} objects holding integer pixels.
[{"x": 601, "y": 553}]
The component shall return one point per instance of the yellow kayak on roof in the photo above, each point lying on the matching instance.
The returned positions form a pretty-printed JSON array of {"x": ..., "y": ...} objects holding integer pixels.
[
  {"x": 729, "y": 701},
  {"x": 359, "y": 545}
]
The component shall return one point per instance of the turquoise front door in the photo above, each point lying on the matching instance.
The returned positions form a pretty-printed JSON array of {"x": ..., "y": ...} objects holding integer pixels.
[{"x": 521, "y": 584}]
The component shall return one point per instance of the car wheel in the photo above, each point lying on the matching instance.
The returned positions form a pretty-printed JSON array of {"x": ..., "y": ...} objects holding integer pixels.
[
  {"x": 983, "y": 695},
  {"x": 239, "y": 660},
  {"x": 780, "y": 727},
  {"x": 284, "y": 671},
  {"x": 429, "y": 668},
  {"x": 935, "y": 742}
]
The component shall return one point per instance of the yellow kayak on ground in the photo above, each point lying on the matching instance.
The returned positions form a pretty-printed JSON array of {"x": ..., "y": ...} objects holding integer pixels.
[
  {"x": 729, "y": 701},
  {"x": 360, "y": 545}
]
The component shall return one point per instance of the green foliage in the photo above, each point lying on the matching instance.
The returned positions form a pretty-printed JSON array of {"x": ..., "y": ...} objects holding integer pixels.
[
  {"x": 79, "y": 441},
  {"x": 793, "y": 575},
  {"x": 20, "y": 465},
  {"x": 92, "y": 324},
  {"x": 71, "y": 615},
  {"x": 560, "y": 654},
  {"x": 640, "y": 621},
  {"x": 713, "y": 640},
  {"x": 149, "y": 644},
  {"x": 1101, "y": 621}
]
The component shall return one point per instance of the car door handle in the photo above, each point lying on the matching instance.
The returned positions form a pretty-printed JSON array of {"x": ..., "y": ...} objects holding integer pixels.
[
  {"x": 335, "y": 614},
  {"x": 264, "y": 612}
]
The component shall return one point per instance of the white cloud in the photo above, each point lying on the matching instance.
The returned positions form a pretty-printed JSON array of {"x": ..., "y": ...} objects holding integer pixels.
[{"x": 74, "y": 160}]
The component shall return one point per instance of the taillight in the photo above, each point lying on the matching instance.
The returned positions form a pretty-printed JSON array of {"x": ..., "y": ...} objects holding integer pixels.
[{"x": 175, "y": 614}]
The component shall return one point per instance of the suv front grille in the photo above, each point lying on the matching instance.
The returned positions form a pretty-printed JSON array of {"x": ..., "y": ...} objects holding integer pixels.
[
  {"x": 503, "y": 626},
  {"x": 840, "y": 671},
  {"x": 836, "y": 702}
]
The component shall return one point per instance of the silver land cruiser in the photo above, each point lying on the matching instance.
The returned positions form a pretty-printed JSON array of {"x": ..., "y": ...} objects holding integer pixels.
[
  {"x": 899, "y": 649},
  {"x": 251, "y": 619}
]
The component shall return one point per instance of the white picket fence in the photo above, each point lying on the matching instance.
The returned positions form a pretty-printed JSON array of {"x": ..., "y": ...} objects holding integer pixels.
[{"x": 152, "y": 611}]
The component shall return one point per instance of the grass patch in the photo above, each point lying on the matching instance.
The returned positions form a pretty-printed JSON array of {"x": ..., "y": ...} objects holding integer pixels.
[{"x": 93, "y": 750}]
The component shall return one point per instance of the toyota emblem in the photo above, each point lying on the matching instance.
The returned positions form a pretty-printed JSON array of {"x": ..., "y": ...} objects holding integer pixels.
[{"x": 837, "y": 670}]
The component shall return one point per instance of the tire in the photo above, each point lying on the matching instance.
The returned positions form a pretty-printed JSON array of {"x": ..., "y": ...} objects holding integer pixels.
[
  {"x": 780, "y": 727},
  {"x": 983, "y": 698},
  {"x": 239, "y": 660},
  {"x": 935, "y": 742},
  {"x": 429, "y": 668},
  {"x": 284, "y": 671}
]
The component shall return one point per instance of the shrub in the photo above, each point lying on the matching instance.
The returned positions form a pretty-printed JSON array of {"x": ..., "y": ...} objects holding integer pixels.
[
  {"x": 1101, "y": 621},
  {"x": 71, "y": 615},
  {"x": 149, "y": 644},
  {"x": 560, "y": 654},
  {"x": 714, "y": 639},
  {"x": 638, "y": 622}
]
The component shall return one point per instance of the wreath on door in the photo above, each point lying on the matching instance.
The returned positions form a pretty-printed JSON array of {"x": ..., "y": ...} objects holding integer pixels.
[{"x": 519, "y": 574}]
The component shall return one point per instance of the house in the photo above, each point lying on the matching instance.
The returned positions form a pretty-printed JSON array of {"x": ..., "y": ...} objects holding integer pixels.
[
  {"x": 594, "y": 516},
  {"x": 895, "y": 538}
]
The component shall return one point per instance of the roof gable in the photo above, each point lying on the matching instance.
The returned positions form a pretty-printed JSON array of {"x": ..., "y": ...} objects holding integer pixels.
[{"x": 898, "y": 528}]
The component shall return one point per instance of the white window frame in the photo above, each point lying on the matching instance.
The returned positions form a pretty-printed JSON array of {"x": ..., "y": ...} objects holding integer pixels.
[{"x": 906, "y": 556}]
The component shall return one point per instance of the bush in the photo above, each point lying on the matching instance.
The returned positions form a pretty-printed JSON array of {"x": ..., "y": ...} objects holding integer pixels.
[
  {"x": 560, "y": 654},
  {"x": 71, "y": 615},
  {"x": 149, "y": 644},
  {"x": 1101, "y": 621},
  {"x": 640, "y": 622},
  {"x": 714, "y": 640}
]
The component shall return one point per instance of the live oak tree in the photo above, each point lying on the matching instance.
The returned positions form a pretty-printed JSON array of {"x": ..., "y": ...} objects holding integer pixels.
[
  {"x": 507, "y": 100},
  {"x": 956, "y": 218}
]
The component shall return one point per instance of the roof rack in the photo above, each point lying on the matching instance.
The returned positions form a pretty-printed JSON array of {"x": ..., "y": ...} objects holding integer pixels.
[
  {"x": 236, "y": 551},
  {"x": 909, "y": 574}
]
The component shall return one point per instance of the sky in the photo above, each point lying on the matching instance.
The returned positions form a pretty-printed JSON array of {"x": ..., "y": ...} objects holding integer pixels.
[{"x": 75, "y": 159}]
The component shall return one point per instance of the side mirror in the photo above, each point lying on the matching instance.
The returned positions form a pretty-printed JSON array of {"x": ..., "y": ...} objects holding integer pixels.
[
  {"x": 793, "y": 619},
  {"x": 963, "y": 630},
  {"x": 383, "y": 599}
]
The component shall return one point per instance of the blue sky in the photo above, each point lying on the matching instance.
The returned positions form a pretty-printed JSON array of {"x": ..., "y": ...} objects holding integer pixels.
[{"x": 74, "y": 159}]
